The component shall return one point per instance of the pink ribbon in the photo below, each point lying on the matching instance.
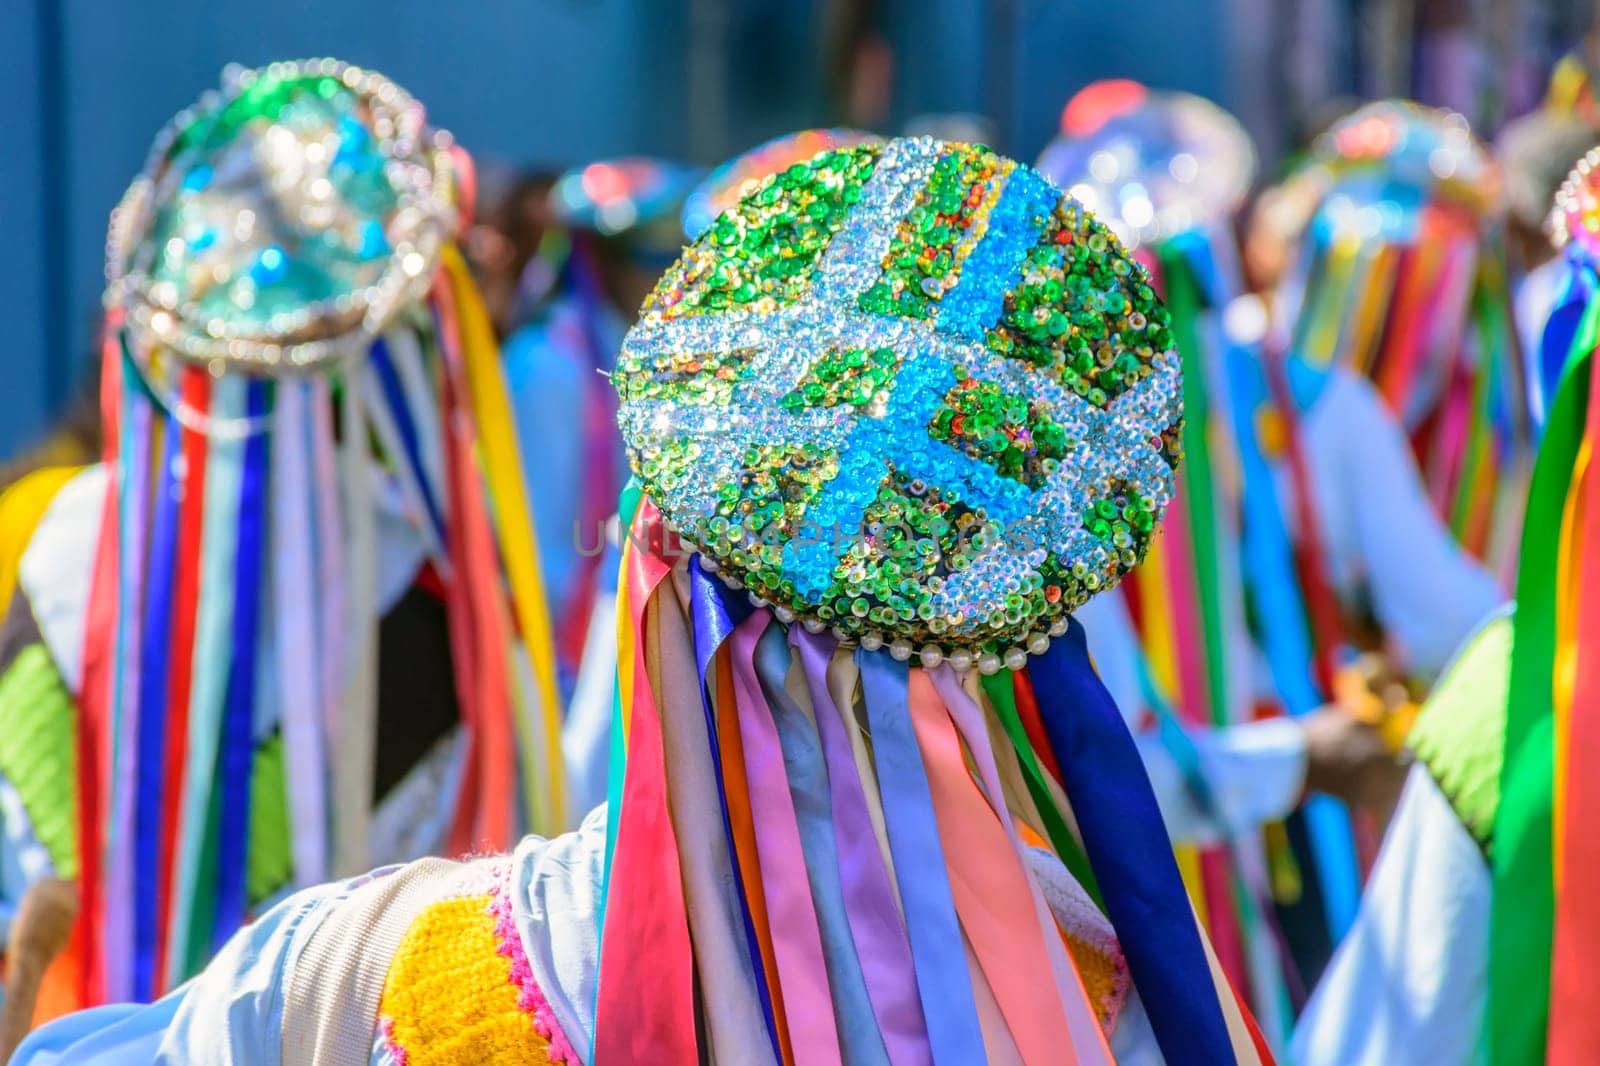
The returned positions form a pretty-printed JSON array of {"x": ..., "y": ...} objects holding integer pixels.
[{"x": 797, "y": 941}]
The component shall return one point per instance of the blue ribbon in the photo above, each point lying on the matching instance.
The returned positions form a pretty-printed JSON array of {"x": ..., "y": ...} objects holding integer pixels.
[
  {"x": 944, "y": 983},
  {"x": 1556, "y": 340},
  {"x": 236, "y": 758},
  {"x": 153, "y": 698},
  {"x": 860, "y": 1040},
  {"x": 714, "y": 614},
  {"x": 405, "y": 424},
  {"x": 1127, "y": 845}
]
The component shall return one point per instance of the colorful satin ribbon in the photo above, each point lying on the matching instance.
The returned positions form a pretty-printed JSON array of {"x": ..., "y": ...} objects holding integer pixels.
[
  {"x": 645, "y": 1007},
  {"x": 934, "y": 930},
  {"x": 1526, "y": 900},
  {"x": 875, "y": 919},
  {"x": 1128, "y": 847}
]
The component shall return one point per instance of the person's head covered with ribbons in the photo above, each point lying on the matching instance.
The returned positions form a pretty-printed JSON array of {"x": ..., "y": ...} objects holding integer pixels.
[{"x": 306, "y": 433}]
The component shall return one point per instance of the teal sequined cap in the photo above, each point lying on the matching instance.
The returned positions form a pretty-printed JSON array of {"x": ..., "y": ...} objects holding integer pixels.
[
  {"x": 912, "y": 393},
  {"x": 283, "y": 221}
]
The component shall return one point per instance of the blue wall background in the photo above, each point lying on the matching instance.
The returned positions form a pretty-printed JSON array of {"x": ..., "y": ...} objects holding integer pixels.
[{"x": 85, "y": 84}]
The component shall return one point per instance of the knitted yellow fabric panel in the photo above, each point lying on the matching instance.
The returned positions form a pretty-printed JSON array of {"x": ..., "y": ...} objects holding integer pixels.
[
  {"x": 1104, "y": 977},
  {"x": 450, "y": 1000}
]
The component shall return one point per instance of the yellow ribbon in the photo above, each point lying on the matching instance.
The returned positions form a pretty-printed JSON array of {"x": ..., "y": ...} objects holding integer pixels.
[{"x": 501, "y": 459}]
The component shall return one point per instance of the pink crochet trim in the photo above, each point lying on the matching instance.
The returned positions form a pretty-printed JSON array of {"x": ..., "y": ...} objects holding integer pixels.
[
  {"x": 401, "y": 1056},
  {"x": 530, "y": 997}
]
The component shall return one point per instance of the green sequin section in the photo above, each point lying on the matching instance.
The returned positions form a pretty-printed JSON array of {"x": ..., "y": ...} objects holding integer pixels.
[
  {"x": 913, "y": 537},
  {"x": 267, "y": 99},
  {"x": 852, "y": 377},
  {"x": 1084, "y": 313},
  {"x": 1171, "y": 442},
  {"x": 923, "y": 262},
  {"x": 1016, "y": 436},
  {"x": 671, "y": 465},
  {"x": 706, "y": 378},
  {"x": 761, "y": 254},
  {"x": 1124, "y": 520},
  {"x": 39, "y": 754},
  {"x": 764, "y": 509}
]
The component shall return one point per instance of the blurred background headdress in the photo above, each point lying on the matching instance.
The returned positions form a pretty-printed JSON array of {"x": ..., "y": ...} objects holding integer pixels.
[
  {"x": 1401, "y": 274},
  {"x": 893, "y": 416},
  {"x": 293, "y": 350}
]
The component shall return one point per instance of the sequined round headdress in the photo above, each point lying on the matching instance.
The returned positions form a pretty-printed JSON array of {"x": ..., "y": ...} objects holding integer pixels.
[
  {"x": 723, "y": 187},
  {"x": 611, "y": 196},
  {"x": 910, "y": 392},
  {"x": 1150, "y": 164},
  {"x": 1403, "y": 144},
  {"x": 1575, "y": 217},
  {"x": 282, "y": 221}
]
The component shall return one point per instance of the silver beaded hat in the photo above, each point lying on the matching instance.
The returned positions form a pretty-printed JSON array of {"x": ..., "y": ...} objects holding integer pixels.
[
  {"x": 1152, "y": 165},
  {"x": 912, "y": 393},
  {"x": 283, "y": 221},
  {"x": 1574, "y": 221}
]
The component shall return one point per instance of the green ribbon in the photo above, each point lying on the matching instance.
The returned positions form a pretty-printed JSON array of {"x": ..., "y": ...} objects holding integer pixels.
[
  {"x": 1522, "y": 908},
  {"x": 627, "y": 507},
  {"x": 998, "y": 687},
  {"x": 1199, "y": 485}
]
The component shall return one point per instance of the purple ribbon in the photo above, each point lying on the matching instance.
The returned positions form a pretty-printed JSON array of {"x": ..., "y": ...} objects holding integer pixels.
[
  {"x": 714, "y": 621},
  {"x": 944, "y": 983}
]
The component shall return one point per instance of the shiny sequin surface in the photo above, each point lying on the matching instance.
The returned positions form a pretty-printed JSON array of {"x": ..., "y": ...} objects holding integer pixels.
[
  {"x": 936, "y": 407},
  {"x": 284, "y": 220},
  {"x": 727, "y": 184}
]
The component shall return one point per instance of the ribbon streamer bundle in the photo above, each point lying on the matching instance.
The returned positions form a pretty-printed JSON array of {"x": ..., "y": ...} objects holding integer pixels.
[
  {"x": 1546, "y": 863},
  {"x": 293, "y": 345}
]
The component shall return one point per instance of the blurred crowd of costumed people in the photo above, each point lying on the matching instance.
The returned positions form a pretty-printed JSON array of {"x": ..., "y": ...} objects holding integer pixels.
[{"x": 872, "y": 600}]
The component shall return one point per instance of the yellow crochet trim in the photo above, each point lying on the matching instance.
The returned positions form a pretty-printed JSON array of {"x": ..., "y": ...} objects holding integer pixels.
[
  {"x": 449, "y": 999},
  {"x": 1101, "y": 975}
]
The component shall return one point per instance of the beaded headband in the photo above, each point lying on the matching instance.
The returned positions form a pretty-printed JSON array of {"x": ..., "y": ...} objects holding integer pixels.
[
  {"x": 1574, "y": 221},
  {"x": 1151, "y": 165},
  {"x": 723, "y": 187},
  {"x": 910, "y": 392},
  {"x": 282, "y": 222}
]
